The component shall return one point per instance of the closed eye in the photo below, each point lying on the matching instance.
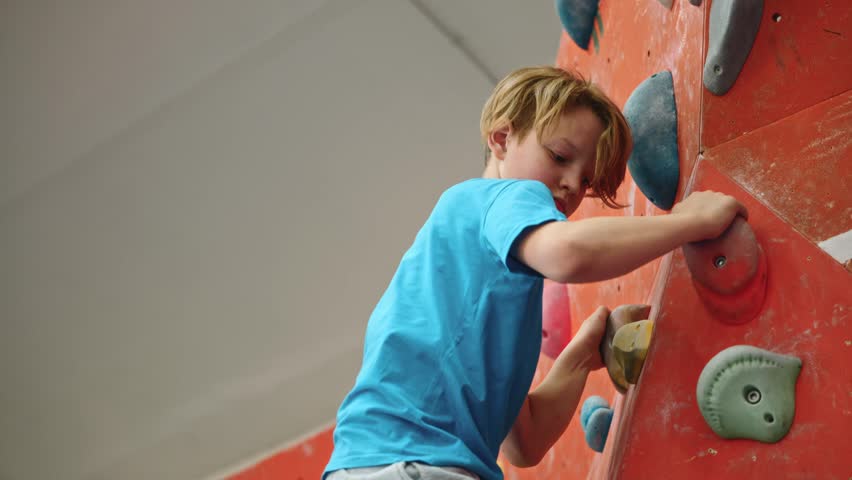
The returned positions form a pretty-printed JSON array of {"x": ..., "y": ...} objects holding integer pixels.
[{"x": 559, "y": 158}]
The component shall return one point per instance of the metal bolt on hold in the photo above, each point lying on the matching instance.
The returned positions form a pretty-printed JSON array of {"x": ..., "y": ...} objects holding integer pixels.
[
  {"x": 753, "y": 396},
  {"x": 720, "y": 261}
]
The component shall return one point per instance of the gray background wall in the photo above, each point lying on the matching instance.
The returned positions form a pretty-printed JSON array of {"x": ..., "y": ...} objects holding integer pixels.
[{"x": 202, "y": 200}]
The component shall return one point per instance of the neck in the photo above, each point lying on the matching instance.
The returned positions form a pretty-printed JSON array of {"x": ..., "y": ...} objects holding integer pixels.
[{"x": 491, "y": 170}]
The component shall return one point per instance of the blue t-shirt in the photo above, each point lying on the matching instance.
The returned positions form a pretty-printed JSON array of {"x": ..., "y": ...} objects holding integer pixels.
[{"x": 452, "y": 346}]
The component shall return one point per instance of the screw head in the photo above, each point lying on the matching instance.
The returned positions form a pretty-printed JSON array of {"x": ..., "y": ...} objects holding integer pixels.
[{"x": 752, "y": 395}]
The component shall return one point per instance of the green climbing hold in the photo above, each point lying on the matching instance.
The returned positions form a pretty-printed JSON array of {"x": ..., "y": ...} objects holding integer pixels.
[{"x": 748, "y": 392}]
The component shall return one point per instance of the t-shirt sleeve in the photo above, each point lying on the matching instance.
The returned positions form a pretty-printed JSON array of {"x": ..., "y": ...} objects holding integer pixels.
[{"x": 516, "y": 210}]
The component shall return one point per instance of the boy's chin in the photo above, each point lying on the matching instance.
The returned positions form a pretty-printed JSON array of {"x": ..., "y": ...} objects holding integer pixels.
[
  {"x": 568, "y": 211},
  {"x": 565, "y": 209}
]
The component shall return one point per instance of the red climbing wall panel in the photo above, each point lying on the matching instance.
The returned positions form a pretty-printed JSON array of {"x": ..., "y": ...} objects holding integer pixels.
[
  {"x": 305, "y": 460},
  {"x": 799, "y": 166},
  {"x": 806, "y": 314},
  {"x": 795, "y": 62},
  {"x": 779, "y": 141}
]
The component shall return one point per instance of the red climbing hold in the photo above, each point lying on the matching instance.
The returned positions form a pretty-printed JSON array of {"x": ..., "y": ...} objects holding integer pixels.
[{"x": 729, "y": 273}]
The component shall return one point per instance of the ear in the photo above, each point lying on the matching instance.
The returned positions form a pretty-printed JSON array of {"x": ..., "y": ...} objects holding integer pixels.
[{"x": 497, "y": 140}]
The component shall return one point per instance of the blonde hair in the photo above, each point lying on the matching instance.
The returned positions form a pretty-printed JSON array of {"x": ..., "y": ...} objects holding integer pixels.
[{"x": 536, "y": 97}]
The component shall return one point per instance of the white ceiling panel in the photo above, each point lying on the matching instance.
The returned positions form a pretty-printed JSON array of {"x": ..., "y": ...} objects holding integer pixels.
[{"x": 502, "y": 34}]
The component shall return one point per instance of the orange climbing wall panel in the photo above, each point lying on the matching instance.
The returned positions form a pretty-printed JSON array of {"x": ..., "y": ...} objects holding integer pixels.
[
  {"x": 799, "y": 166},
  {"x": 796, "y": 62},
  {"x": 806, "y": 314},
  {"x": 305, "y": 460}
]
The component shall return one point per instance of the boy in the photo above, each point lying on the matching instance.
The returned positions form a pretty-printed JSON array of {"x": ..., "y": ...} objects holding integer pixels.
[{"x": 452, "y": 345}]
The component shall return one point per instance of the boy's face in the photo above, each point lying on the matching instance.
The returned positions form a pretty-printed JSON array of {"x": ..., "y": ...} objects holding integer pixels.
[{"x": 564, "y": 160}]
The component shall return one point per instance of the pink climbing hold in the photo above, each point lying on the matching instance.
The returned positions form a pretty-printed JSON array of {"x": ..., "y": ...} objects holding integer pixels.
[{"x": 555, "y": 318}]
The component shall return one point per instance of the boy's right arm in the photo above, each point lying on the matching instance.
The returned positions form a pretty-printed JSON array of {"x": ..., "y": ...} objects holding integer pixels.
[{"x": 601, "y": 248}]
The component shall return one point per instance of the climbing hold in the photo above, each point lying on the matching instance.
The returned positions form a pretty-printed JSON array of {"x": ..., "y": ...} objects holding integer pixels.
[
  {"x": 578, "y": 19},
  {"x": 727, "y": 263},
  {"x": 748, "y": 392},
  {"x": 596, "y": 418},
  {"x": 556, "y": 318},
  {"x": 620, "y": 317},
  {"x": 630, "y": 347},
  {"x": 697, "y": 3},
  {"x": 729, "y": 273},
  {"x": 733, "y": 28},
  {"x": 598, "y": 428},
  {"x": 591, "y": 404},
  {"x": 667, "y": 3},
  {"x": 652, "y": 116}
]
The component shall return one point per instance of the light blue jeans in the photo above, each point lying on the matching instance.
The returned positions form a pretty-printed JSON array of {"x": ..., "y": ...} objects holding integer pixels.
[{"x": 403, "y": 471}]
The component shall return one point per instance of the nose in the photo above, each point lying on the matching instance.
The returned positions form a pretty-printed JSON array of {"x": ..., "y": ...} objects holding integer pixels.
[{"x": 573, "y": 182}]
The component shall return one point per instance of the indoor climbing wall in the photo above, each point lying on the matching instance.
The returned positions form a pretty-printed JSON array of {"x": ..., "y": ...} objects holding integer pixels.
[{"x": 763, "y": 108}]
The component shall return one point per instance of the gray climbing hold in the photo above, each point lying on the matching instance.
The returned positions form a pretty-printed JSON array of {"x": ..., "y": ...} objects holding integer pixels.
[
  {"x": 748, "y": 392},
  {"x": 652, "y": 115},
  {"x": 667, "y": 3},
  {"x": 578, "y": 19},
  {"x": 733, "y": 28},
  {"x": 697, "y": 3}
]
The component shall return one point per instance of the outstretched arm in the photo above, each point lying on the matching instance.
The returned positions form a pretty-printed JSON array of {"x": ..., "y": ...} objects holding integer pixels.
[{"x": 600, "y": 248}]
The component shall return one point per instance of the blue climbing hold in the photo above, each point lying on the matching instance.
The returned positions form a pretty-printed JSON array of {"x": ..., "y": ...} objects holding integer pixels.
[
  {"x": 578, "y": 19},
  {"x": 589, "y": 406},
  {"x": 597, "y": 428},
  {"x": 652, "y": 115},
  {"x": 595, "y": 418}
]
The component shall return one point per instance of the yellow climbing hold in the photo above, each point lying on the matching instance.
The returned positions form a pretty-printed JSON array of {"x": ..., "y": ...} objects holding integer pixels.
[
  {"x": 619, "y": 318},
  {"x": 630, "y": 347}
]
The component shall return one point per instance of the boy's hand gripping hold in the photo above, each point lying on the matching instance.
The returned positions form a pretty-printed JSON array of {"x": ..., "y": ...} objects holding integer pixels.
[{"x": 622, "y": 354}]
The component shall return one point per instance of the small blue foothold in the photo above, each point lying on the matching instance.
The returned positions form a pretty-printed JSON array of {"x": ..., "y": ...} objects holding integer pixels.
[
  {"x": 597, "y": 428},
  {"x": 654, "y": 163},
  {"x": 578, "y": 19},
  {"x": 591, "y": 404}
]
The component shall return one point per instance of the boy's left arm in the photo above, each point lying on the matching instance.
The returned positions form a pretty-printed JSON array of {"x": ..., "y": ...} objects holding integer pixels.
[{"x": 549, "y": 408}]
